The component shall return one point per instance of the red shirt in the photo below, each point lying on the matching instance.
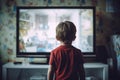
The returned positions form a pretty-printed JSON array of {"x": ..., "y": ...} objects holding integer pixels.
[{"x": 66, "y": 60}]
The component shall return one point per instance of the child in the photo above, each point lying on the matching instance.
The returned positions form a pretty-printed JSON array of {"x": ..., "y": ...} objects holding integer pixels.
[{"x": 66, "y": 61}]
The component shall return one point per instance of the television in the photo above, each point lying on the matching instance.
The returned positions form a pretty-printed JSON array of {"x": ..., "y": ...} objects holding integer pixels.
[{"x": 36, "y": 29}]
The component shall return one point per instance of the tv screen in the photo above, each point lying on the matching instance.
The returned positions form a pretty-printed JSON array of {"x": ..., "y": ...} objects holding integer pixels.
[{"x": 36, "y": 29}]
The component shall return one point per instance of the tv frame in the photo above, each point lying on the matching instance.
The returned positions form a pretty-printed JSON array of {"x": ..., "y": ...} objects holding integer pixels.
[{"x": 46, "y": 54}]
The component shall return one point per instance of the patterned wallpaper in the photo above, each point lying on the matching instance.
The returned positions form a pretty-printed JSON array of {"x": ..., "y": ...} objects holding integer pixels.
[{"x": 8, "y": 20}]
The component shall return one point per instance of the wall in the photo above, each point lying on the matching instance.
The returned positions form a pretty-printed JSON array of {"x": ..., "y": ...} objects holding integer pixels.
[{"x": 8, "y": 22}]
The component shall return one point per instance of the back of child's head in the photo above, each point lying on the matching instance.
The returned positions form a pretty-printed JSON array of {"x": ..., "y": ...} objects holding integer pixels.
[{"x": 66, "y": 32}]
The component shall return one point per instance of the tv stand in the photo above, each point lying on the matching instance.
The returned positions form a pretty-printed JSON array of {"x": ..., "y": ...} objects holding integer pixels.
[{"x": 38, "y": 72}]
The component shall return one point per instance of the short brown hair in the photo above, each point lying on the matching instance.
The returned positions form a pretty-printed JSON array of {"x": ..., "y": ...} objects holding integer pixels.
[{"x": 65, "y": 31}]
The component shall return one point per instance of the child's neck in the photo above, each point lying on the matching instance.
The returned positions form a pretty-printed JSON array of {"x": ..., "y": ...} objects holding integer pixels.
[{"x": 62, "y": 43}]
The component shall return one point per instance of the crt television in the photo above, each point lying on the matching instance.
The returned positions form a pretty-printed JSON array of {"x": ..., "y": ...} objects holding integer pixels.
[{"x": 36, "y": 29}]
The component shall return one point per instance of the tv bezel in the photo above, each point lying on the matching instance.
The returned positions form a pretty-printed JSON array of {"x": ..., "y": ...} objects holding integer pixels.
[{"x": 46, "y": 54}]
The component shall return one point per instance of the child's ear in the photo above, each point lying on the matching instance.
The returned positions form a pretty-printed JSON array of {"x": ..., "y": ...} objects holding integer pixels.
[{"x": 57, "y": 38}]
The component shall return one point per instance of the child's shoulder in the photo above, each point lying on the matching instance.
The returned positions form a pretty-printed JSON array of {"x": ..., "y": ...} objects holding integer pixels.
[{"x": 57, "y": 48}]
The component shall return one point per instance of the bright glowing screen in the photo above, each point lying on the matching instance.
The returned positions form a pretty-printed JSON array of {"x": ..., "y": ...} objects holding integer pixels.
[{"x": 37, "y": 28}]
